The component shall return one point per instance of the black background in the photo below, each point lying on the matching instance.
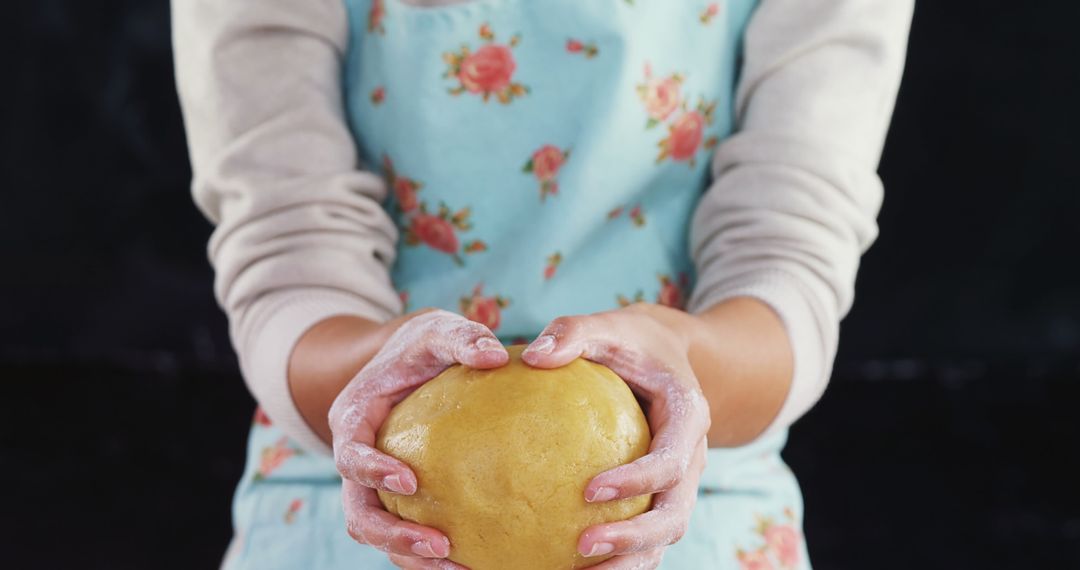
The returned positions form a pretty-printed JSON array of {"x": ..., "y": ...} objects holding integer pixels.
[{"x": 947, "y": 440}]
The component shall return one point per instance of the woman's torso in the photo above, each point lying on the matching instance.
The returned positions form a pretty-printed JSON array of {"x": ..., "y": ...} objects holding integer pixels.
[{"x": 543, "y": 159}]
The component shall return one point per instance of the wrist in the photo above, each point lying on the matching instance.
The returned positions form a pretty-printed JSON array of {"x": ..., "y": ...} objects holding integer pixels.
[
  {"x": 328, "y": 356},
  {"x": 743, "y": 359}
]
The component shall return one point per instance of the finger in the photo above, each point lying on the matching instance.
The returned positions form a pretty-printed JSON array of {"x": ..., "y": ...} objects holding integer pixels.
[
  {"x": 663, "y": 525},
  {"x": 413, "y": 563},
  {"x": 435, "y": 340},
  {"x": 367, "y": 466},
  {"x": 636, "y": 561},
  {"x": 680, "y": 420},
  {"x": 368, "y": 523},
  {"x": 454, "y": 339},
  {"x": 561, "y": 341},
  {"x": 679, "y": 414},
  {"x": 596, "y": 337}
]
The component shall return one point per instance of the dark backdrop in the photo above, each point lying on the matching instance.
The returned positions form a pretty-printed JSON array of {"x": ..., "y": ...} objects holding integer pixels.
[{"x": 948, "y": 437}]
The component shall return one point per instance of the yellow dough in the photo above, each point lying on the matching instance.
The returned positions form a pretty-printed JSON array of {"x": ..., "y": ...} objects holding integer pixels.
[{"x": 502, "y": 458}]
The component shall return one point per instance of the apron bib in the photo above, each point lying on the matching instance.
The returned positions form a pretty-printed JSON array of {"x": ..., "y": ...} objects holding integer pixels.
[{"x": 543, "y": 159}]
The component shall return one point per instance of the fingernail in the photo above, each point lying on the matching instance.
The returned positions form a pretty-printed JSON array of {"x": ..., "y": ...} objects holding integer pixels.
[
  {"x": 424, "y": 549},
  {"x": 543, "y": 344},
  {"x": 487, "y": 343},
  {"x": 394, "y": 485},
  {"x": 601, "y": 548},
  {"x": 603, "y": 494}
]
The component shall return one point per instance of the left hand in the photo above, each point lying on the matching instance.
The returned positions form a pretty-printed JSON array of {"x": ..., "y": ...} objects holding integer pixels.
[{"x": 653, "y": 358}]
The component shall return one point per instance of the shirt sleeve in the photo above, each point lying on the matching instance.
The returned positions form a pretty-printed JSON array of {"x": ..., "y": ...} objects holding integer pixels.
[
  {"x": 300, "y": 232},
  {"x": 795, "y": 192}
]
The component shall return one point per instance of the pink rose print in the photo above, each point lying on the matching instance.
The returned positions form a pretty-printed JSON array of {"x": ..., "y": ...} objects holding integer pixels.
[
  {"x": 545, "y": 162},
  {"x": 404, "y": 188},
  {"x": 405, "y": 192},
  {"x": 544, "y": 165},
  {"x": 684, "y": 137},
  {"x": 378, "y": 95},
  {"x": 294, "y": 507},
  {"x": 552, "y": 266},
  {"x": 685, "y": 130},
  {"x": 434, "y": 231},
  {"x": 661, "y": 96},
  {"x": 589, "y": 50},
  {"x": 783, "y": 542},
  {"x": 475, "y": 246},
  {"x": 438, "y": 231},
  {"x": 261, "y": 418},
  {"x": 637, "y": 215},
  {"x": 673, "y": 294},
  {"x": 780, "y": 549},
  {"x": 685, "y": 134},
  {"x": 754, "y": 560},
  {"x": 272, "y": 457},
  {"x": 487, "y": 71},
  {"x": 375, "y": 17},
  {"x": 484, "y": 310},
  {"x": 709, "y": 12}
]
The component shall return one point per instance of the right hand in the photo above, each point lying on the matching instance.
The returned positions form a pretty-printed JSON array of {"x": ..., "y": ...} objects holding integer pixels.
[{"x": 420, "y": 349}]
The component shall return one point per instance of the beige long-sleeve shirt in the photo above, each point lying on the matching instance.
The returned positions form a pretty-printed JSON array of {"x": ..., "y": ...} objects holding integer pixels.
[{"x": 301, "y": 234}]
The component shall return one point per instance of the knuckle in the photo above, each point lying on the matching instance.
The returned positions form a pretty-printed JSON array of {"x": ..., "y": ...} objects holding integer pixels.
[
  {"x": 355, "y": 460},
  {"x": 643, "y": 481},
  {"x": 343, "y": 466},
  {"x": 431, "y": 335},
  {"x": 470, "y": 329},
  {"x": 680, "y": 471},
  {"x": 440, "y": 314},
  {"x": 433, "y": 324},
  {"x": 703, "y": 412},
  {"x": 419, "y": 322},
  {"x": 565, "y": 325},
  {"x": 668, "y": 469},
  {"x": 695, "y": 398},
  {"x": 356, "y": 532},
  {"x": 679, "y": 532}
]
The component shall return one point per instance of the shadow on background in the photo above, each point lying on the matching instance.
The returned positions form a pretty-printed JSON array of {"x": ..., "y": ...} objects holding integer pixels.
[{"x": 948, "y": 437}]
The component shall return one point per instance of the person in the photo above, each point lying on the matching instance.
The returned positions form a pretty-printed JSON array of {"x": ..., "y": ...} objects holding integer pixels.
[{"x": 680, "y": 191}]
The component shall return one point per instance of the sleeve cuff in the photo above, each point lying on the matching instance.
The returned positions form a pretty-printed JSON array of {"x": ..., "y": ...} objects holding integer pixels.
[
  {"x": 787, "y": 297},
  {"x": 266, "y": 343}
]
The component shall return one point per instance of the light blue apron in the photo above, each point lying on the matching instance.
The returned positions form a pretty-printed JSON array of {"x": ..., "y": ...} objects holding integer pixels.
[{"x": 544, "y": 159}]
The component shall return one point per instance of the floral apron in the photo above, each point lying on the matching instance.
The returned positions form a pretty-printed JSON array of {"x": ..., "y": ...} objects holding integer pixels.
[{"x": 544, "y": 159}]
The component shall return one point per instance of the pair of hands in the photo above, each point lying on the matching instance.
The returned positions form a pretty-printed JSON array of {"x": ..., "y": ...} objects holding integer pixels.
[{"x": 651, "y": 357}]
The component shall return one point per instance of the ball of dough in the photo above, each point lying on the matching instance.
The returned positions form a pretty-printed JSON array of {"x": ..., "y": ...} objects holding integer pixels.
[{"x": 502, "y": 458}]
